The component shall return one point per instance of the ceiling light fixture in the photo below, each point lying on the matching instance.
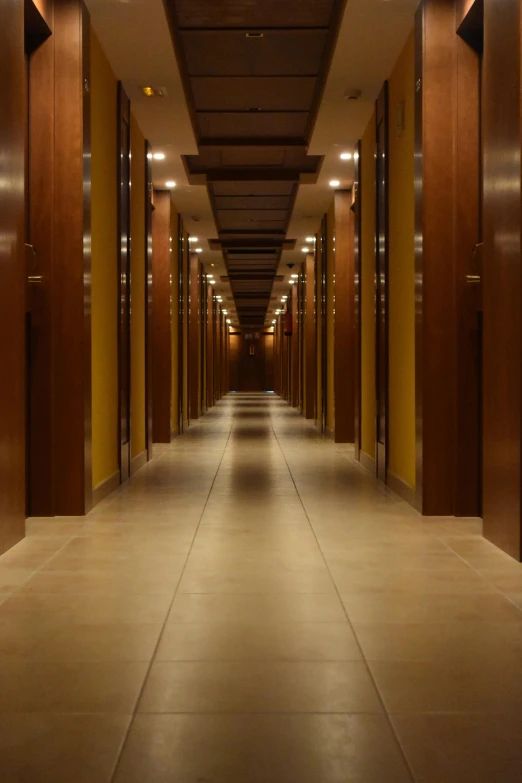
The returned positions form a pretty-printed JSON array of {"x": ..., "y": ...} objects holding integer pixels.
[
  {"x": 229, "y": 321},
  {"x": 306, "y": 250},
  {"x": 199, "y": 250},
  {"x": 153, "y": 92},
  {"x": 159, "y": 156},
  {"x": 295, "y": 277},
  {"x": 170, "y": 184},
  {"x": 310, "y": 239},
  {"x": 193, "y": 239},
  {"x": 334, "y": 183},
  {"x": 346, "y": 156}
]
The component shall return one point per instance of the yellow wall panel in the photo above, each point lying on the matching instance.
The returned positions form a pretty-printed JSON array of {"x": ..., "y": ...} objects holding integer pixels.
[
  {"x": 104, "y": 267},
  {"x": 138, "y": 282},
  {"x": 401, "y": 451},
  {"x": 368, "y": 407}
]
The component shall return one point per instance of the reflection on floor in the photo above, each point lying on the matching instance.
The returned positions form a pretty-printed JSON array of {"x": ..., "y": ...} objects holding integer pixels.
[{"x": 254, "y": 608}]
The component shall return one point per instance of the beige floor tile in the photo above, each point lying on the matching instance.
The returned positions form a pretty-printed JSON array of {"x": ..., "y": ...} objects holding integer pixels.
[
  {"x": 262, "y": 749},
  {"x": 102, "y": 687},
  {"x": 50, "y": 528},
  {"x": 226, "y": 559},
  {"x": 207, "y": 687},
  {"x": 258, "y": 642},
  {"x": 46, "y": 639},
  {"x": 60, "y": 748},
  {"x": 159, "y": 562},
  {"x": 139, "y": 580},
  {"x": 464, "y": 748},
  {"x": 84, "y": 608},
  {"x": 377, "y": 580},
  {"x": 388, "y": 607},
  {"x": 285, "y": 607},
  {"x": 131, "y": 545},
  {"x": 449, "y": 686},
  {"x": 441, "y": 641},
  {"x": 13, "y": 578},
  {"x": 266, "y": 580}
]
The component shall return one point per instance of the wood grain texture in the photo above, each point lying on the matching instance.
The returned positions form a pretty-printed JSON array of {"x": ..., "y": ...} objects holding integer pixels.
[
  {"x": 344, "y": 343},
  {"x": 468, "y": 465},
  {"x": 502, "y": 127},
  {"x": 40, "y": 476},
  {"x": 310, "y": 338},
  {"x": 294, "y": 399},
  {"x": 436, "y": 391},
  {"x": 149, "y": 315},
  {"x": 12, "y": 278},
  {"x": 72, "y": 443},
  {"x": 194, "y": 338},
  {"x": 210, "y": 358},
  {"x": 357, "y": 292},
  {"x": 161, "y": 309}
]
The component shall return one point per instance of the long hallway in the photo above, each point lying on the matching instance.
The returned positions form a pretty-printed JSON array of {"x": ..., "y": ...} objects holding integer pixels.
[{"x": 253, "y": 607}]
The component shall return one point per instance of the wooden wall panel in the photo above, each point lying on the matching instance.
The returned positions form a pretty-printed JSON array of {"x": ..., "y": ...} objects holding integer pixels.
[
  {"x": 294, "y": 401},
  {"x": 40, "y": 476},
  {"x": 252, "y": 372},
  {"x": 310, "y": 338},
  {"x": 435, "y": 288},
  {"x": 12, "y": 277},
  {"x": 502, "y": 127},
  {"x": 71, "y": 294},
  {"x": 468, "y": 479},
  {"x": 344, "y": 343},
  {"x": 161, "y": 309},
  {"x": 210, "y": 352},
  {"x": 357, "y": 290},
  {"x": 195, "y": 338}
]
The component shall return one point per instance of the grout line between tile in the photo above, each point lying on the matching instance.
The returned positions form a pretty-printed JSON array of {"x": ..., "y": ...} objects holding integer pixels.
[
  {"x": 364, "y": 659},
  {"x": 160, "y": 637}
]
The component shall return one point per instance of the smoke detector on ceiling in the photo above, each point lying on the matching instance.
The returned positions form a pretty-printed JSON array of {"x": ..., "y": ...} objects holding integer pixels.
[{"x": 353, "y": 95}]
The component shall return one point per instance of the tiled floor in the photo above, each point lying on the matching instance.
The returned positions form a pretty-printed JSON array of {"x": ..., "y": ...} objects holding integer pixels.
[{"x": 254, "y": 608}]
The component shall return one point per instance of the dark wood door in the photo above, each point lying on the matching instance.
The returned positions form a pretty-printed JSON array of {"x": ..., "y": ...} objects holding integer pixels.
[
  {"x": 149, "y": 207},
  {"x": 381, "y": 281},
  {"x": 124, "y": 279},
  {"x": 468, "y": 484}
]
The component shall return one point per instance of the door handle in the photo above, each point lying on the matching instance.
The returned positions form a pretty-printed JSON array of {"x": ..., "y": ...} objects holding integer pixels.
[
  {"x": 473, "y": 279},
  {"x": 35, "y": 279}
]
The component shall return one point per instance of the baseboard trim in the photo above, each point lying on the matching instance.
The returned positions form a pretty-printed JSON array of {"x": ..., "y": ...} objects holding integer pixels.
[
  {"x": 329, "y": 433},
  {"x": 138, "y": 462},
  {"x": 105, "y": 488},
  {"x": 401, "y": 488},
  {"x": 367, "y": 462}
]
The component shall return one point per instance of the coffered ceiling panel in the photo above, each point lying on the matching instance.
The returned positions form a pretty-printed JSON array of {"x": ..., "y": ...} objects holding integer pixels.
[
  {"x": 249, "y": 14},
  {"x": 253, "y": 73},
  {"x": 232, "y": 53},
  {"x": 253, "y": 93}
]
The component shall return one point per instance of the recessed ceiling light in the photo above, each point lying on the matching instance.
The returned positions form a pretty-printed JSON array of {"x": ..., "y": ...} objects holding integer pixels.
[
  {"x": 306, "y": 250},
  {"x": 274, "y": 321},
  {"x": 229, "y": 321},
  {"x": 159, "y": 156},
  {"x": 199, "y": 250},
  {"x": 334, "y": 183},
  {"x": 295, "y": 277},
  {"x": 346, "y": 155},
  {"x": 193, "y": 239},
  {"x": 153, "y": 92},
  {"x": 225, "y": 312},
  {"x": 170, "y": 184},
  {"x": 310, "y": 239},
  {"x": 292, "y": 282},
  {"x": 284, "y": 298}
]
